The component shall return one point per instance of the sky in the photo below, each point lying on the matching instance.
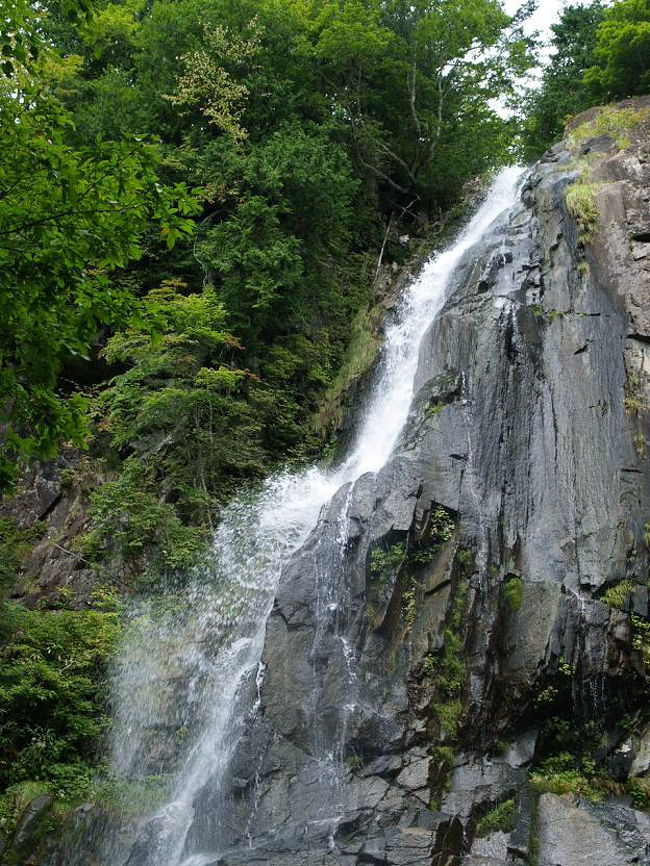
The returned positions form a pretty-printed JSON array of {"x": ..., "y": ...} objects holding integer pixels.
[{"x": 547, "y": 12}]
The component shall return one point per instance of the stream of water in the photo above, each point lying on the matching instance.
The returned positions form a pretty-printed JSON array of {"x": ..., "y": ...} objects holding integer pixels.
[{"x": 191, "y": 663}]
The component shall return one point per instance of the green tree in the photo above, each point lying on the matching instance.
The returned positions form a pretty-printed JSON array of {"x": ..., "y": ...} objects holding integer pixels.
[
  {"x": 68, "y": 218},
  {"x": 183, "y": 400},
  {"x": 52, "y": 692},
  {"x": 563, "y": 92},
  {"x": 622, "y": 53}
]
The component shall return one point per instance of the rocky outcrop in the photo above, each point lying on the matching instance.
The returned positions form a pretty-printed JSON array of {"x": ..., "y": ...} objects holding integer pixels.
[
  {"x": 50, "y": 510},
  {"x": 464, "y": 651}
]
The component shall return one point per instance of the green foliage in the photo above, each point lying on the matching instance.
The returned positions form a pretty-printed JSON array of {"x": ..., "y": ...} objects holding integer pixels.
[
  {"x": 130, "y": 522},
  {"x": 635, "y": 401},
  {"x": 565, "y": 774},
  {"x": 362, "y": 352},
  {"x": 383, "y": 562},
  {"x": 622, "y": 52},
  {"x": 639, "y": 789},
  {"x": 546, "y": 696},
  {"x": 192, "y": 425},
  {"x": 618, "y": 595},
  {"x": 513, "y": 593},
  {"x": 69, "y": 216},
  {"x": 131, "y": 797},
  {"x": 409, "y": 606},
  {"x": 611, "y": 121},
  {"x": 602, "y": 53},
  {"x": 499, "y": 819},
  {"x": 565, "y": 668},
  {"x": 442, "y": 526},
  {"x": 354, "y": 762},
  {"x": 446, "y": 669},
  {"x": 641, "y": 637},
  {"x": 184, "y": 400},
  {"x": 581, "y": 203},
  {"x": 562, "y": 92},
  {"x": 449, "y": 714},
  {"x": 572, "y": 756},
  {"x": 439, "y": 531},
  {"x": 15, "y": 545},
  {"x": 208, "y": 84},
  {"x": 445, "y": 756},
  {"x": 52, "y": 693}
]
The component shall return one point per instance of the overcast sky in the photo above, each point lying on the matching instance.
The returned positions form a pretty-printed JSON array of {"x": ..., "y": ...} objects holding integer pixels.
[{"x": 548, "y": 11}]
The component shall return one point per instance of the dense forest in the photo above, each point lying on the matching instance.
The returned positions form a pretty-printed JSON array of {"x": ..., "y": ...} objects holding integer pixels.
[{"x": 197, "y": 198}]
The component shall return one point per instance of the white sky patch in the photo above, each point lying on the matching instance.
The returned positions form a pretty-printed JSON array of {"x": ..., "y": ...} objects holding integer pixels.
[{"x": 547, "y": 13}]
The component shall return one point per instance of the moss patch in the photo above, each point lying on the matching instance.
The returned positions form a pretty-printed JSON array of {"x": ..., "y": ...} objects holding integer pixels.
[
  {"x": 513, "y": 593},
  {"x": 611, "y": 121},
  {"x": 581, "y": 203}
]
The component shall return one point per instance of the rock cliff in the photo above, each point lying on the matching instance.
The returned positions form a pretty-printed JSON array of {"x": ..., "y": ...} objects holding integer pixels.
[{"x": 475, "y": 664}]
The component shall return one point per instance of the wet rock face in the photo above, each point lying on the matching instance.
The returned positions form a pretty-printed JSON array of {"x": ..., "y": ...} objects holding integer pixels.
[{"x": 418, "y": 675}]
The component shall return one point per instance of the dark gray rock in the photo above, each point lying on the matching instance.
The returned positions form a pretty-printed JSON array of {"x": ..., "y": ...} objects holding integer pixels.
[{"x": 521, "y": 430}]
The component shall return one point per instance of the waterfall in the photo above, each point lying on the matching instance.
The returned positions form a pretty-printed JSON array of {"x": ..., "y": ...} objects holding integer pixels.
[{"x": 187, "y": 677}]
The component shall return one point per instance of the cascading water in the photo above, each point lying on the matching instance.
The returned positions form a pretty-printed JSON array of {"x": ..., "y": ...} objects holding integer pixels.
[{"x": 187, "y": 676}]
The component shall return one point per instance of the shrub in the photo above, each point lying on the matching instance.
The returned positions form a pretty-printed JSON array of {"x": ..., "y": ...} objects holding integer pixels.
[
  {"x": 15, "y": 544},
  {"x": 52, "y": 694},
  {"x": 581, "y": 203},
  {"x": 383, "y": 562},
  {"x": 564, "y": 774},
  {"x": 641, "y": 638},
  {"x": 449, "y": 714},
  {"x": 130, "y": 521}
]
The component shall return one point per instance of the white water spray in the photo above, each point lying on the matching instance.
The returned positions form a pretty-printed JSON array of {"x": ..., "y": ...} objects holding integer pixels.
[{"x": 190, "y": 668}]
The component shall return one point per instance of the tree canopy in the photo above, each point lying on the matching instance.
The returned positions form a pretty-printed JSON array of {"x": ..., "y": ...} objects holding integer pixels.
[
  {"x": 70, "y": 216},
  {"x": 254, "y": 149}
]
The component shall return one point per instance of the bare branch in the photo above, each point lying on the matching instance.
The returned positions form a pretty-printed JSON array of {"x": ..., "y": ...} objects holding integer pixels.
[{"x": 383, "y": 247}]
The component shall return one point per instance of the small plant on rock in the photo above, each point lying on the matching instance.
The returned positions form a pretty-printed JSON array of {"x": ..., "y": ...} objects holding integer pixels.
[
  {"x": 499, "y": 819},
  {"x": 513, "y": 592},
  {"x": 618, "y": 595},
  {"x": 383, "y": 562}
]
